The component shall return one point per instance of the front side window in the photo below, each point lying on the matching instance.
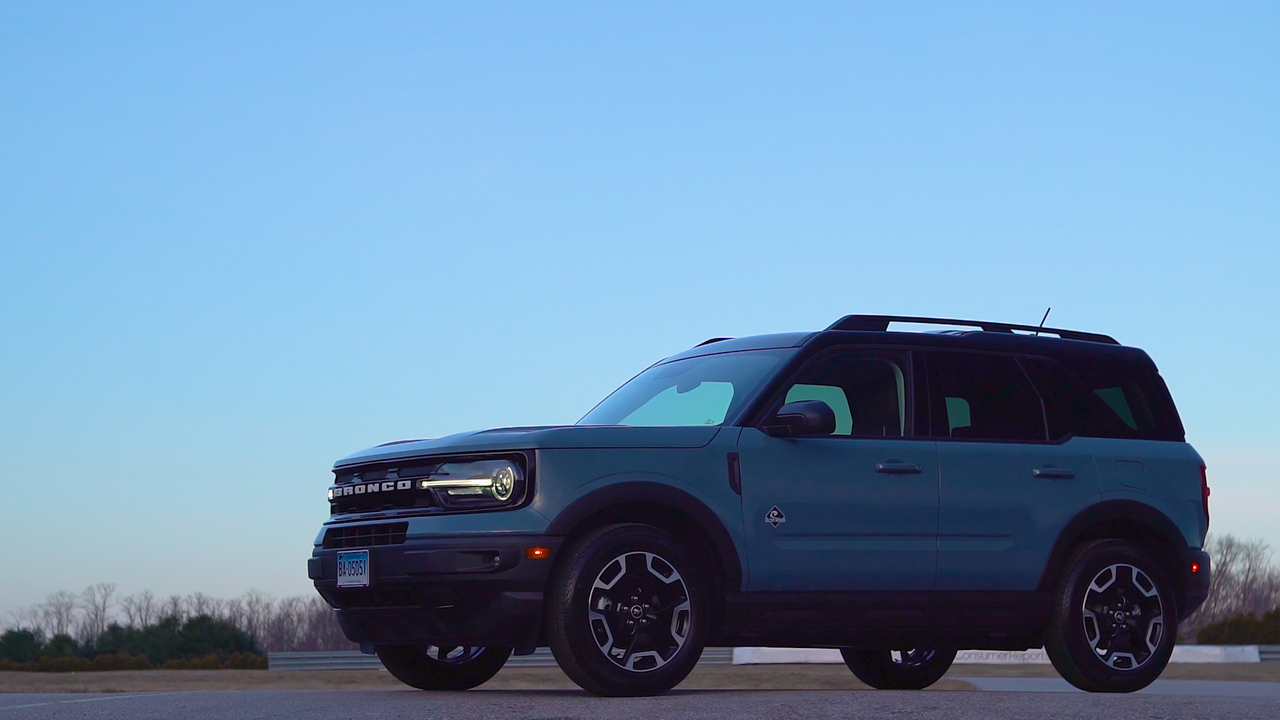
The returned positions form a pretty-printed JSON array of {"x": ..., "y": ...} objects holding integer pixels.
[
  {"x": 706, "y": 390},
  {"x": 983, "y": 397},
  {"x": 867, "y": 390}
]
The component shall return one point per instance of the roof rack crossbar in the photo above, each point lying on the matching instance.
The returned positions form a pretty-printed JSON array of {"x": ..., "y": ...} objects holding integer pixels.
[{"x": 880, "y": 323}]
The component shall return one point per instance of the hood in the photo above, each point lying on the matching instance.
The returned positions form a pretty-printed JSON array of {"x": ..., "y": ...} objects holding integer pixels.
[{"x": 540, "y": 438}]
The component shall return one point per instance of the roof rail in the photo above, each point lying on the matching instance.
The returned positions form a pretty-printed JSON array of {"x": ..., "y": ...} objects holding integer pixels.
[{"x": 880, "y": 323}]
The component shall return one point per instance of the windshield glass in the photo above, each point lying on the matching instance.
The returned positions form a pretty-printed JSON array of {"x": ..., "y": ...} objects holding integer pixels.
[{"x": 694, "y": 391}]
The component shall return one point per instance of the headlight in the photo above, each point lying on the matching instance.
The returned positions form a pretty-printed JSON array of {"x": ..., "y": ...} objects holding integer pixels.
[{"x": 484, "y": 483}]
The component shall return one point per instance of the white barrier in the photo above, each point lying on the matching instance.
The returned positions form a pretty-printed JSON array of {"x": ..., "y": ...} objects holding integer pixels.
[
  {"x": 1181, "y": 654},
  {"x": 1216, "y": 654},
  {"x": 774, "y": 656}
]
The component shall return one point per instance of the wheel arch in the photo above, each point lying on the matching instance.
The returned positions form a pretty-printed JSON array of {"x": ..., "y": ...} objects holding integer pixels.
[
  {"x": 671, "y": 509},
  {"x": 1129, "y": 520}
]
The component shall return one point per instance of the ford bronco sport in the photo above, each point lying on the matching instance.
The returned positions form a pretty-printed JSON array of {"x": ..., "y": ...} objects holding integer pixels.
[{"x": 896, "y": 495}]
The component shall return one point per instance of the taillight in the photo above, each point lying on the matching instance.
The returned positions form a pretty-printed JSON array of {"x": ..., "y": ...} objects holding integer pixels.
[{"x": 1204, "y": 493}]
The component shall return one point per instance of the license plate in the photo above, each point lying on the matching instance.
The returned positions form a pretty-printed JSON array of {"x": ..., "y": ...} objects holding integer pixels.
[{"x": 353, "y": 568}]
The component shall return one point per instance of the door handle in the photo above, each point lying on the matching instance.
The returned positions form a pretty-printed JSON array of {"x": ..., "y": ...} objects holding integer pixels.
[
  {"x": 898, "y": 468},
  {"x": 1053, "y": 473}
]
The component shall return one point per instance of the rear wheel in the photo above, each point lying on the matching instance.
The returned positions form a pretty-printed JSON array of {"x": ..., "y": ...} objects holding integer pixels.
[
  {"x": 428, "y": 667},
  {"x": 626, "y": 614},
  {"x": 1114, "y": 619},
  {"x": 913, "y": 669}
]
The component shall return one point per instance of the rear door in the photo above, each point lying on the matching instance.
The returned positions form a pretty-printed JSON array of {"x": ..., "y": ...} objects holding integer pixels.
[
  {"x": 1006, "y": 492},
  {"x": 856, "y": 510}
]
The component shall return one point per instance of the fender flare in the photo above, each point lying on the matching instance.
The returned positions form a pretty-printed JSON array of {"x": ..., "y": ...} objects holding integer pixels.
[
  {"x": 653, "y": 493},
  {"x": 1166, "y": 534}
]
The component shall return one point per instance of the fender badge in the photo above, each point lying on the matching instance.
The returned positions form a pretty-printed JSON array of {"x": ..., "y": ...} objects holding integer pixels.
[{"x": 775, "y": 517}]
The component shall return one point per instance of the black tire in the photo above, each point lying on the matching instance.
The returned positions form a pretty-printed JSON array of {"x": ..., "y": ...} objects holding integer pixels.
[
  {"x": 427, "y": 667},
  {"x": 1114, "y": 619},
  {"x": 914, "y": 669},
  {"x": 634, "y": 584}
]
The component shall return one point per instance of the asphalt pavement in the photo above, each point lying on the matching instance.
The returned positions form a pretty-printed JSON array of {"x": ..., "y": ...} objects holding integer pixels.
[
  {"x": 1193, "y": 688},
  {"x": 1010, "y": 698}
]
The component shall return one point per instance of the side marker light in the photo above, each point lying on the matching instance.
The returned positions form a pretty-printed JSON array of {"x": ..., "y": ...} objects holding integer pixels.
[
  {"x": 537, "y": 553},
  {"x": 1195, "y": 567}
]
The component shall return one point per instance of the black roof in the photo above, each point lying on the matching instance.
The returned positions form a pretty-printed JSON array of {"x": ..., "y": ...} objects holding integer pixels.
[
  {"x": 984, "y": 335},
  {"x": 880, "y": 323}
]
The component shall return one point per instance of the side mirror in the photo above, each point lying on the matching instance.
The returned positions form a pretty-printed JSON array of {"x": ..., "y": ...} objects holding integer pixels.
[{"x": 803, "y": 418}]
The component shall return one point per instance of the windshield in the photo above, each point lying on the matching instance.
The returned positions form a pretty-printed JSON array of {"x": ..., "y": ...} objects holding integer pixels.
[{"x": 694, "y": 391}]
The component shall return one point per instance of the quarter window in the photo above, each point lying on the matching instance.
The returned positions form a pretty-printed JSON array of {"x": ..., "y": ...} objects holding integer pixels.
[
  {"x": 1100, "y": 398},
  {"x": 1073, "y": 409}
]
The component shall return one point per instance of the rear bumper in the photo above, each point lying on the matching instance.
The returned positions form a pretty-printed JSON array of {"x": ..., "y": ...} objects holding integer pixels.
[
  {"x": 443, "y": 591},
  {"x": 1195, "y": 584}
]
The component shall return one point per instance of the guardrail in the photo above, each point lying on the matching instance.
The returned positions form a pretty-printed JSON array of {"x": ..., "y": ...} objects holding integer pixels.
[
  {"x": 356, "y": 660},
  {"x": 329, "y": 660}
]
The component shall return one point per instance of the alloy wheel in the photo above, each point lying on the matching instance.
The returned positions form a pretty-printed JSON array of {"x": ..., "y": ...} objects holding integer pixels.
[
  {"x": 639, "y": 611},
  {"x": 914, "y": 657},
  {"x": 453, "y": 655},
  {"x": 1123, "y": 616}
]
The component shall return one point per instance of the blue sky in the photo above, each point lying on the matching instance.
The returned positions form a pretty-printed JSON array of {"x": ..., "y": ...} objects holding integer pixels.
[{"x": 238, "y": 242}]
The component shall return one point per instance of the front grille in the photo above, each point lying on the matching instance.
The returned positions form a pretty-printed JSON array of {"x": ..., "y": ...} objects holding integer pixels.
[
  {"x": 366, "y": 535},
  {"x": 384, "y": 471},
  {"x": 392, "y": 486},
  {"x": 380, "y": 501}
]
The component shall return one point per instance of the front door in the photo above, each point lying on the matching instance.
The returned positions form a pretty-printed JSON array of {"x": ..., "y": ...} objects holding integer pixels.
[{"x": 856, "y": 510}]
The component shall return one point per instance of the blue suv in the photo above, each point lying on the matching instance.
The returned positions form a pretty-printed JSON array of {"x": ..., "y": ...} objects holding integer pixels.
[{"x": 896, "y": 495}]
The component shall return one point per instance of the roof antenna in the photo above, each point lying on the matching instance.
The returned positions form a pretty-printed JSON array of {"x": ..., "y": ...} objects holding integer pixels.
[{"x": 1046, "y": 317}]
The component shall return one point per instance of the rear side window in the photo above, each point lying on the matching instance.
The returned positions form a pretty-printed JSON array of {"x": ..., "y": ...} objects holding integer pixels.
[
  {"x": 1094, "y": 397},
  {"x": 983, "y": 397}
]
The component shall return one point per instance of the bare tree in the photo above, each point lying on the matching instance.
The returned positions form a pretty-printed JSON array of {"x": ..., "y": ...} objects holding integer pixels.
[
  {"x": 26, "y": 619},
  {"x": 128, "y": 606},
  {"x": 321, "y": 630},
  {"x": 148, "y": 609},
  {"x": 96, "y": 602},
  {"x": 201, "y": 604},
  {"x": 292, "y": 623},
  {"x": 139, "y": 609},
  {"x": 285, "y": 624},
  {"x": 174, "y": 607},
  {"x": 58, "y": 613},
  {"x": 233, "y": 612},
  {"x": 258, "y": 607}
]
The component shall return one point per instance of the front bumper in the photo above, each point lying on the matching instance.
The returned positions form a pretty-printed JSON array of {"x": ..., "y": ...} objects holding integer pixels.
[{"x": 479, "y": 591}]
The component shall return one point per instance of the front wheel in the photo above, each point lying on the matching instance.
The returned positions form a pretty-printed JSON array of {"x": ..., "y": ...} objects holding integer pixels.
[
  {"x": 627, "y": 614},
  {"x": 428, "y": 667},
  {"x": 1114, "y": 619},
  {"x": 913, "y": 669}
]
